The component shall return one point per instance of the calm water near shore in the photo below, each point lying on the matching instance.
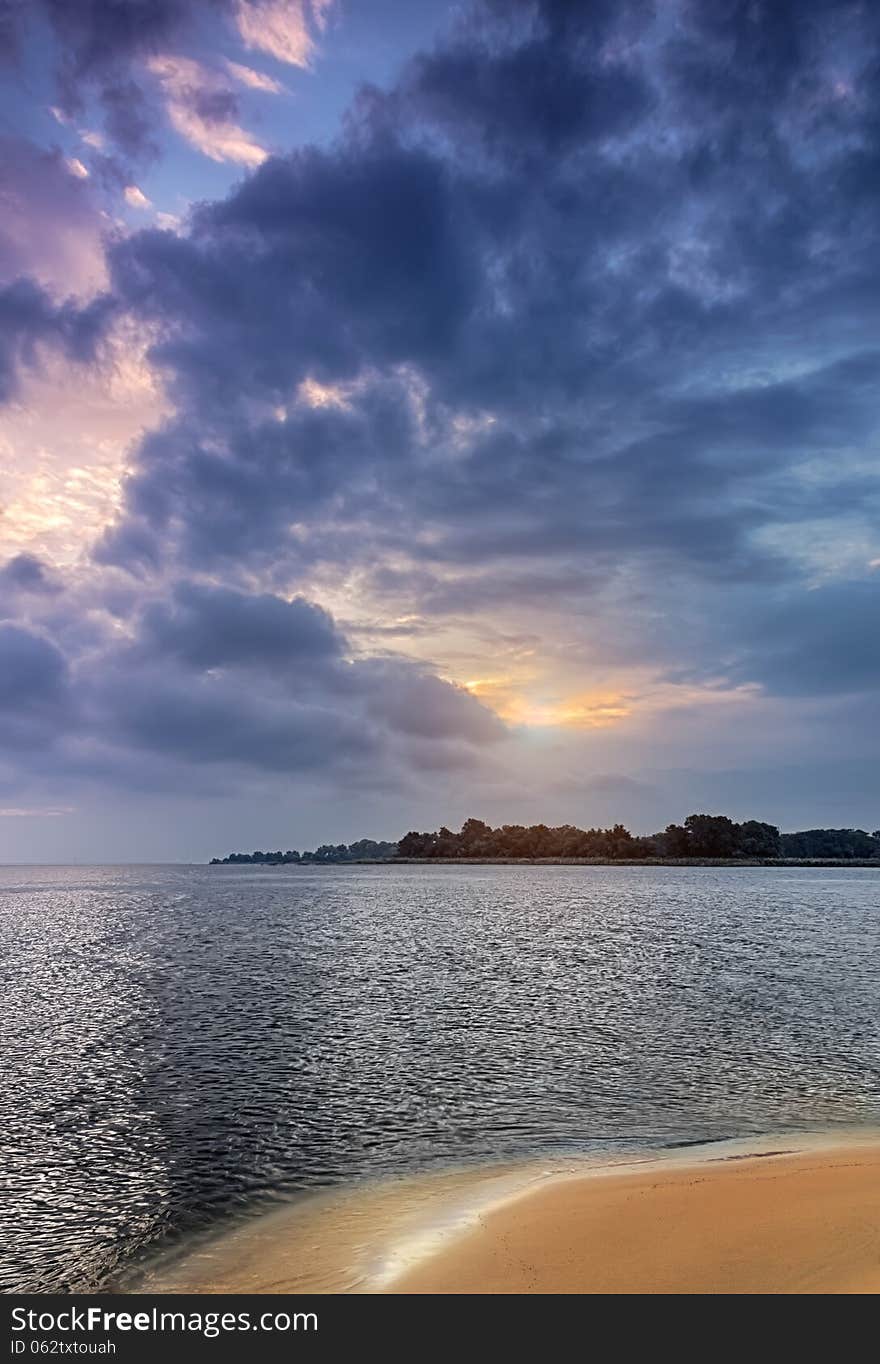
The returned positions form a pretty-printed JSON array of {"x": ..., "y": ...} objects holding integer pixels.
[{"x": 182, "y": 1043}]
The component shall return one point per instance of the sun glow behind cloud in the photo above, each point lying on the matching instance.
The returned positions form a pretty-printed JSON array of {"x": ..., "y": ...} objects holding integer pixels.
[
  {"x": 533, "y": 708},
  {"x": 589, "y": 710}
]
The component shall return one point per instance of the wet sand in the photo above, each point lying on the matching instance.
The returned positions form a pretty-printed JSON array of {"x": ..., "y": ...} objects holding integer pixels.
[
  {"x": 736, "y": 1217},
  {"x": 805, "y": 1223}
]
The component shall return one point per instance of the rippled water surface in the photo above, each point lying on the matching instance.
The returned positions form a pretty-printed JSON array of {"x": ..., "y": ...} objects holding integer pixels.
[{"x": 178, "y": 1042}]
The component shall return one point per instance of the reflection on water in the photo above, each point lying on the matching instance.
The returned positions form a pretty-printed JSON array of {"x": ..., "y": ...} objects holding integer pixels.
[{"x": 182, "y": 1042}]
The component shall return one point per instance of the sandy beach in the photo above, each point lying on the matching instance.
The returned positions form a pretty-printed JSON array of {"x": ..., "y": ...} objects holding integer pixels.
[
  {"x": 802, "y": 1223},
  {"x": 796, "y": 1216}
]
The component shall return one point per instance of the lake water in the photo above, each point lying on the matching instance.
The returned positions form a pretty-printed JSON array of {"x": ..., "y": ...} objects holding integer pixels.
[{"x": 179, "y": 1043}]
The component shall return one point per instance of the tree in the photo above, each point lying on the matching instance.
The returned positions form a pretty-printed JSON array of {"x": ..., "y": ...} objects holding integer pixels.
[
  {"x": 711, "y": 835},
  {"x": 413, "y": 844},
  {"x": 837, "y": 843},
  {"x": 676, "y": 841},
  {"x": 473, "y": 830},
  {"x": 758, "y": 840}
]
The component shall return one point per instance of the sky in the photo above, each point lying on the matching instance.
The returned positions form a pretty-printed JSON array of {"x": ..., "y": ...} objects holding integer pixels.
[{"x": 419, "y": 411}]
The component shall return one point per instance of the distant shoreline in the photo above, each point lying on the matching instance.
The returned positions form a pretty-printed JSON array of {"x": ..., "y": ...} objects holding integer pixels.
[
  {"x": 571, "y": 862},
  {"x": 702, "y": 841}
]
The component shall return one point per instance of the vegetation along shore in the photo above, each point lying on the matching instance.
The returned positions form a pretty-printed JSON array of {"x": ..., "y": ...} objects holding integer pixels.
[{"x": 701, "y": 840}]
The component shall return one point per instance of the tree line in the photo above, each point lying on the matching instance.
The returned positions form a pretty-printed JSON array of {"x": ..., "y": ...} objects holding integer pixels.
[
  {"x": 699, "y": 836},
  {"x": 365, "y": 849}
]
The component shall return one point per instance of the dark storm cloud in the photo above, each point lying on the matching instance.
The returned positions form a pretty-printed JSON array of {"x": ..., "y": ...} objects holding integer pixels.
[
  {"x": 213, "y": 626},
  {"x": 100, "y": 34},
  {"x": 207, "y": 675},
  {"x": 26, "y": 573},
  {"x": 666, "y": 303},
  {"x": 541, "y": 98},
  {"x": 211, "y": 719},
  {"x": 129, "y": 119},
  {"x": 822, "y": 642},
  {"x": 415, "y": 702},
  {"x": 318, "y": 719},
  {"x": 33, "y": 669},
  {"x": 320, "y": 261},
  {"x": 35, "y": 698},
  {"x": 254, "y": 480},
  {"x": 29, "y": 318},
  {"x": 581, "y": 313}
]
